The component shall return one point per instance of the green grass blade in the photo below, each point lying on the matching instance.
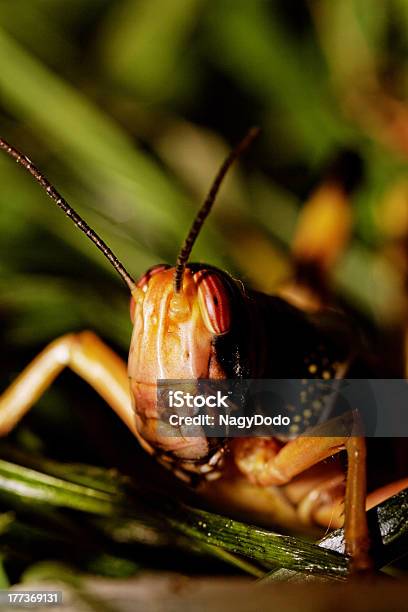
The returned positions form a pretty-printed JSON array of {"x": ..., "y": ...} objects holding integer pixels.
[{"x": 212, "y": 529}]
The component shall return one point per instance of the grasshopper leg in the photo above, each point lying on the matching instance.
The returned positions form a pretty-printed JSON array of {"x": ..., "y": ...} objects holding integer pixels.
[
  {"x": 90, "y": 358},
  {"x": 266, "y": 464}
]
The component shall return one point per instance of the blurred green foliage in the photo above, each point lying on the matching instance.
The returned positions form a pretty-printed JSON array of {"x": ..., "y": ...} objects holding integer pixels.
[
  {"x": 128, "y": 107},
  {"x": 115, "y": 99},
  {"x": 91, "y": 90}
]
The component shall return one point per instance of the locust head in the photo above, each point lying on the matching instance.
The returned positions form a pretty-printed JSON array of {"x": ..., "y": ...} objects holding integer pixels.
[
  {"x": 175, "y": 337},
  {"x": 183, "y": 329}
]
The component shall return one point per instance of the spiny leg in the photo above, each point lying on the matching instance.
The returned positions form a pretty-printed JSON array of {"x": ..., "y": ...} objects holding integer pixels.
[
  {"x": 90, "y": 358},
  {"x": 356, "y": 535},
  {"x": 264, "y": 463}
]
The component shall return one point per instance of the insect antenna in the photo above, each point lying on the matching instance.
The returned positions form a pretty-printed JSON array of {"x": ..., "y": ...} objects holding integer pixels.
[
  {"x": 205, "y": 209},
  {"x": 24, "y": 161}
]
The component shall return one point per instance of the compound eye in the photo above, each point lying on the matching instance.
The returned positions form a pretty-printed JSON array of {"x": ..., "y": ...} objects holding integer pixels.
[
  {"x": 144, "y": 280},
  {"x": 214, "y": 301}
]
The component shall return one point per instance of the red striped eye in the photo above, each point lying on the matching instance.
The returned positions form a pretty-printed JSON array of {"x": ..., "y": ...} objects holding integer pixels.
[{"x": 214, "y": 301}]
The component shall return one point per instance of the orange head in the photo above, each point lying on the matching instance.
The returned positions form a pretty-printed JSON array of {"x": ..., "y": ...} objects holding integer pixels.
[{"x": 180, "y": 335}]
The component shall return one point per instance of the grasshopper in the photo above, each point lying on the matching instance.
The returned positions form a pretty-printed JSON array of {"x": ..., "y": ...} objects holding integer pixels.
[{"x": 194, "y": 321}]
